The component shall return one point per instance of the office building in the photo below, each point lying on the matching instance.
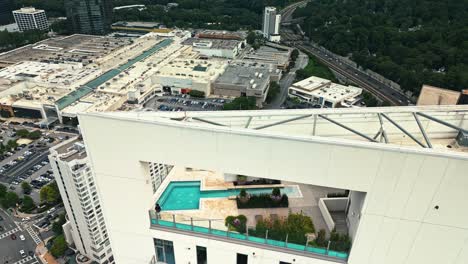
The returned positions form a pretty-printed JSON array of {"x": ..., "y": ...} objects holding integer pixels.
[
  {"x": 324, "y": 93},
  {"x": 6, "y": 6},
  {"x": 85, "y": 229},
  {"x": 89, "y": 16},
  {"x": 29, "y": 18},
  {"x": 399, "y": 175},
  {"x": 271, "y": 24}
]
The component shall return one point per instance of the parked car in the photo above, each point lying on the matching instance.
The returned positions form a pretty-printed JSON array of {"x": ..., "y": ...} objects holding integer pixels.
[
  {"x": 22, "y": 238},
  {"x": 23, "y": 254}
]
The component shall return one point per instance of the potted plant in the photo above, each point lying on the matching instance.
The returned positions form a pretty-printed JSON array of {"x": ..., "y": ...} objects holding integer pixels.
[
  {"x": 243, "y": 196},
  {"x": 276, "y": 194},
  {"x": 241, "y": 179}
]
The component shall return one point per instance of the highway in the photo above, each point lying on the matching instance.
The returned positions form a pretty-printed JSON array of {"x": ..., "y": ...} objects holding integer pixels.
[{"x": 358, "y": 77}]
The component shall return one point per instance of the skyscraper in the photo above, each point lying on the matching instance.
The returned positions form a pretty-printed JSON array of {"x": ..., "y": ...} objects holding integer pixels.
[
  {"x": 85, "y": 229},
  {"x": 271, "y": 24},
  {"x": 89, "y": 16},
  {"x": 5, "y": 11},
  {"x": 29, "y": 18}
]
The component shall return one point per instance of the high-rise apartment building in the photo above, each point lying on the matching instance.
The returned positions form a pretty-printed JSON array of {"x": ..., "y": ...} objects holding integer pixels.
[
  {"x": 85, "y": 228},
  {"x": 271, "y": 24},
  {"x": 6, "y": 6},
  {"x": 389, "y": 183},
  {"x": 89, "y": 16},
  {"x": 29, "y": 18}
]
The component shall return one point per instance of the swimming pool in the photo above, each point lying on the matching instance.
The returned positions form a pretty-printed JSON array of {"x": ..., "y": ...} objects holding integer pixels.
[{"x": 186, "y": 195}]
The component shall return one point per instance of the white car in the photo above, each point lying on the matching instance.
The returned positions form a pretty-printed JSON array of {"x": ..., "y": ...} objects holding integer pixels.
[
  {"x": 23, "y": 254},
  {"x": 51, "y": 210},
  {"x": 25, "y": 219},
  {"x": 22, "y": 238}
]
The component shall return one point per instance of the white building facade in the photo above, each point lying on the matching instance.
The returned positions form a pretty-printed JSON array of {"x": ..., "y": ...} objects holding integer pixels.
[
  {"x": 29, "y": 18},
  {"x": 85, "y": 229},
  {"x": 413, "y": 210},
  {"x": 271, "y": 24}
]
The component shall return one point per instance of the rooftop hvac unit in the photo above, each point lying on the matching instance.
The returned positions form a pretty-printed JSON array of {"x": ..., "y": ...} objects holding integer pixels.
[
  {"x": 260, "y": 75},
  {"x": 462, "y": 138},
  {"x": 256, "y": 74},
  {"x": 252, "y": 81}
]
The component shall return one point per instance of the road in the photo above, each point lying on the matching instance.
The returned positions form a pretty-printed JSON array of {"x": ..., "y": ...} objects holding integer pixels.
[
  {"x": 287, "y": 80},
  {"x": 359, "y": 77},
  {"x": 9, "y": 248}
]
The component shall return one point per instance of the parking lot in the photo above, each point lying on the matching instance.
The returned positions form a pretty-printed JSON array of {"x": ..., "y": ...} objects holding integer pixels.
[{"x": 185, "y": 103}]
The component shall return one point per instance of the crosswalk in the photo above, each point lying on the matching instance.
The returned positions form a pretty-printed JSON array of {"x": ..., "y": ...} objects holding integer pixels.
[
  {"x": 9, "y": 232},
  {"x": 28, "y": 260},
  {"x": 34, "y": 235}
]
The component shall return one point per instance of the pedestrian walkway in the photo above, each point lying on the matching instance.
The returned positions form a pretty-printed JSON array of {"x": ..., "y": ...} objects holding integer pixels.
[
  {"x": 27, "y": 260},
  {"x": 34, "y": 235},
  {"x": 8, "y": 233}
]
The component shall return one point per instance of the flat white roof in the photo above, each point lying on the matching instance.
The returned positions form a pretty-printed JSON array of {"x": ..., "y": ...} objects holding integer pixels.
[{"x": 319, "y": 87}]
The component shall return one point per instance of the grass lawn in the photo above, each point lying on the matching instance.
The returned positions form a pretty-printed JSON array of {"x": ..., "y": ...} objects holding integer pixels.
[{"x": 315, "y": 68}]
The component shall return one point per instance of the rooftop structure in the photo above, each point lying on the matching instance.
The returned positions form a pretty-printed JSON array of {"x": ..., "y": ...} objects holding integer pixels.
[
  {"x": 183, "y": 75},
  {"x": 29, "y": 18},
  {"x": 140, "y": 27},
  {"x": 75, "y": 48},
  {"x": 323, "y": 92},
  {"x": 431, "y": 95},
  {"x": 243, "y": 80},
  {"x": 413, "y": 149},
  {"x": 222, "y": 48},
  {"x": 221, "y": 34},
  {"x": 277, "y": 57}
]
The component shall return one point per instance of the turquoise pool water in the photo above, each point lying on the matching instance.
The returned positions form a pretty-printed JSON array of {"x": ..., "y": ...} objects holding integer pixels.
[{"x": 186, "y": 195}]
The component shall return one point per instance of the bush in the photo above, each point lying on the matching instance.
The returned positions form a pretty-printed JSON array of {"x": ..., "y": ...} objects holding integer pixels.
[
  {"x": 27, "y": 204},
  {"x": 241, "y": 103},
  {"x": 22, "y": 133},
  {"x": 26, "y": 187},
  {"x": 295, "y": 226},
  {"x": 276, "y": 191},
  {"x": 195, "y": 93},
  {"x": 243, "y": 193},
  {"x": 236, "y": 223},
  {"x": 262, "y": 201},
  {"x": 57, "y": 226},
  {"x": 35, "y": 135},
  {"x": 59, "y": 246},
  {"x": 340, "y": 242},
  {"x": 3, "y": 190},
  {"x": 273, "y": 91},
  {"x": 321, "y": 240}
]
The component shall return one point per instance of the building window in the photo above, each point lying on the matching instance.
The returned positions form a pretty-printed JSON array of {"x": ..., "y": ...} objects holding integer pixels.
[
  {"x": 242, "y": 258},
  {"x": 164, "y": 251},
  {"x": 201, "y": 255}
]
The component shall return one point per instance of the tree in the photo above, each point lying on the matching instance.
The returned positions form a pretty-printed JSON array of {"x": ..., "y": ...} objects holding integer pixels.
[
  {"x": 49, "y": 194},
  {"x": 26, "y": 187},
  {"x": 57, "y": 226},
  {"x": 10, "y": 200},
  {"x": 273, "y": 91},
  {"x": 294, "y": 54},
  {"x": 35, "y": 135},
  {"x": 241, "y": 103},
  {"x": 22, "y": 133},
  {"x": 28, "y": 204},
  {"x": 195, "y": 93},
  {"x": 59, "y": 246},
  {"x": 3, "y": 191},
  {"x": 11, "y": 144},
  {"x": 251, "y": 37}
]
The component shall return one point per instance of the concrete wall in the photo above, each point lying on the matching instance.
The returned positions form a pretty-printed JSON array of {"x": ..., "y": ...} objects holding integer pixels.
[
  {"x": 356, "y": 203},
  {"x": 326, "y": 215},
  {"x": 398, "y": 223}
]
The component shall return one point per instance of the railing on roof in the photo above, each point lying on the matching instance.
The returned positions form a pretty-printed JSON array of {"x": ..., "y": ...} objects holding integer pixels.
[{"x": 215, "y": 229}]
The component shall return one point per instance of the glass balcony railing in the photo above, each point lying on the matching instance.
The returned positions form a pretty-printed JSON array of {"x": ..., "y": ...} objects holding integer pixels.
[{"x": 217, "y": 229}]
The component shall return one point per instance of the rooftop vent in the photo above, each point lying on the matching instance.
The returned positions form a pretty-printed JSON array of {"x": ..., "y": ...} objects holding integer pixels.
[{"x": 462, "y": 138}]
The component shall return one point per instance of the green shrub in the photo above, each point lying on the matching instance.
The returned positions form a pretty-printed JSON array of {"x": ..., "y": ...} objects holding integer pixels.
[
  {"x": 263, "y": 201},
  {"x": 243, "y": 193},
  {"x": 321, "y": 240},
  {"x": 236, "y": 223},
  {"x": 295, "y": 226},
  {"x": 276, "y": 191},
  {"x": 340, "y": 242},
  {"x": 195, "y": 93}
]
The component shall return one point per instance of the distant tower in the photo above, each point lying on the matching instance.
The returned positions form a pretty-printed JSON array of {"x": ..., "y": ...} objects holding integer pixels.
[
  {"x": 28, "y": 18},
  {"x": 89, "y": 16},
  {"x": 5, "y": 11},
  {"x": 271, "y": 24}
]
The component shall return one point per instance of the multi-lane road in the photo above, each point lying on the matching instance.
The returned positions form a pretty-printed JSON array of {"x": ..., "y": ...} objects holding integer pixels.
[{"x": 358, "y": 77}]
